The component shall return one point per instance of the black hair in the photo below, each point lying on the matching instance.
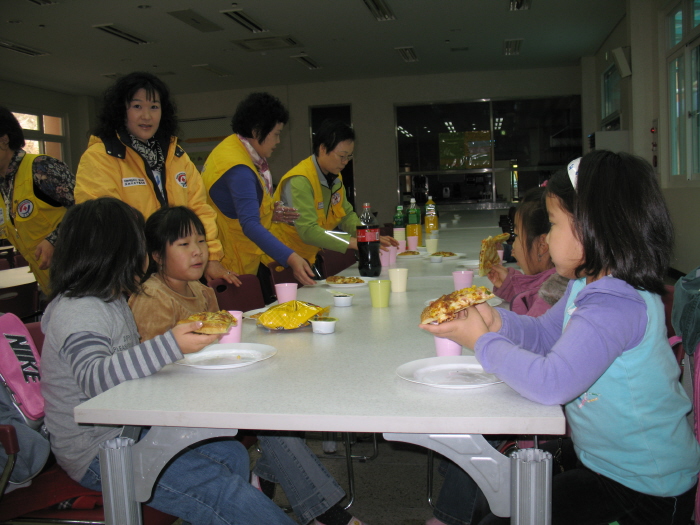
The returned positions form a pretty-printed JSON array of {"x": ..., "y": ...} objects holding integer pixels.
[
  {"x": 532, "y": 212},
  {"x": 118, "y": 96},
  {"x": 100, "y": 251},
  {"x": 331, "y": 133},
  {"x": 166, "y": 226},
  {"x": 10, "y": 126},
  {"x": 620, "y": 217},
  {"x": 257, "y": 115}
]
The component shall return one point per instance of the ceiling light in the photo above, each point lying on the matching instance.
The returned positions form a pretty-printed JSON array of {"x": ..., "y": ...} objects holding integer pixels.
[
  {"x": 43, "y": 2},
  {"x": 213, "y": 69},
  {"x": 407, "y": 53},
  {"x": 512, "y": 47},
  {"x": 195, "y": 20},
  {"x": 380, "y": 10},
  {"x": 304, "y": 59},
  {"x": 520, "y": 5},
  {"x": 111, "y": 29},
  {"x": 266, "y": 43},
  {"x": 241, "y": 18},
  {"x": 22, "y": 49}
]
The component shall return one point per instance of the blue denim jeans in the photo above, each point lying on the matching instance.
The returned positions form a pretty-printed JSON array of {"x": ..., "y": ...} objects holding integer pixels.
[
  {"x": 309, "y": 487},
  {"x": 207, "y": 484}
]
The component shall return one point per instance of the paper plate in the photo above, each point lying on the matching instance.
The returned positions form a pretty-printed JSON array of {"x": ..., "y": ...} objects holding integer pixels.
[
  {"x": 454, "y": 372},
  {"x": 231, "y": 355}
]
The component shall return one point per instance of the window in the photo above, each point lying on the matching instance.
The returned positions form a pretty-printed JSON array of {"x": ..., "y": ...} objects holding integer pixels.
[
  {"x": 43, "y": 134},
  {"x": 683, "y": 77},
  {"x": 611, "y": 92}
]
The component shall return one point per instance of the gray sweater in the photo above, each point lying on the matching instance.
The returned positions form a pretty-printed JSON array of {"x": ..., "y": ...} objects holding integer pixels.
[{"x": 91, "y": 346}]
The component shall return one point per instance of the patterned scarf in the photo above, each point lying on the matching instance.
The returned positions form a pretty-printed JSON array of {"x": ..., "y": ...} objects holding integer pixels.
[
  {"x": 260, "y": 163},
  {"x": 153, "y": 155}
]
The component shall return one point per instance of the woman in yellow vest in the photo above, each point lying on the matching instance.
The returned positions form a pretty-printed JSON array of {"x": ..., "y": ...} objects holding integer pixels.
[
  {"x": 315, "y": 188},
  {"x": 239, "y": 187},
  {"x": 36, "y": 190},
  {"x": 134, "y": 156}
]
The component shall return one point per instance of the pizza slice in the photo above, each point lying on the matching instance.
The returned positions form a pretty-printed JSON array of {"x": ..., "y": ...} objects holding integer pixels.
[
  {"x": 409, "y": 252},
  {"x": 488, "y": 255},
  {"x": 445, "y": 308},
  {"x": 212, "y": 322}
]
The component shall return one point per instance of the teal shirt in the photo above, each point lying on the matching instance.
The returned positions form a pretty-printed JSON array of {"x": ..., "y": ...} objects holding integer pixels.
[{"x": 631, "y": 425}]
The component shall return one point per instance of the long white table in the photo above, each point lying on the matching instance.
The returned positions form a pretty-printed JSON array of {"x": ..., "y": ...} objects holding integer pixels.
[{"x": 344, "y": 382}]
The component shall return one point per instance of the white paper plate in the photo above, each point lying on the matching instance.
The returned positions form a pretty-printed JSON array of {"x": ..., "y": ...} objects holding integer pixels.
[
  {"x": 451, "y": 257},
  {"x": 454, "y": 372},
  {"x": 407, "y": 257},
  {"x": 494, "y": 301},
  {"x": 470, "y": 264},
  {"x": 231, "y": 355}
]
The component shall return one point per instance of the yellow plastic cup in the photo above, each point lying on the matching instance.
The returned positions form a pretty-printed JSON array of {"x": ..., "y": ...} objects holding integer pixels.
[{"x": 379, "y": 291}]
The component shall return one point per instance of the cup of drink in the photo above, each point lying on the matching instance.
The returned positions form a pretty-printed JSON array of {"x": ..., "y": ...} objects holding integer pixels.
[
  {"x": 463, "y": 278},
  {"x": 393, "y": 251},
  {"x": 402, "y": 245},
  {"x": 431, "y": 245},
  {"x": 286, "y": 292},
  {"x": 412, "y": 242},
  {"x": 234, "y": 333},
  {"x": 500, "y": 255},
  {"x": 447, "y": 347},
  {"x": 379, "y": 292},
  {"x": 384, "y": 257},
  {"x": 399, "y": 279}
]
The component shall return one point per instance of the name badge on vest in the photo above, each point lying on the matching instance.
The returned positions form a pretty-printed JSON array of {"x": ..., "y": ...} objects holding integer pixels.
[
  {"x": 181, "y": 179},
  {"x": 335, "y": 198},
  {"x": 319, "y": 205},
  {"x": 25, "y": 208},
  {"x": 133, "y": 181}
]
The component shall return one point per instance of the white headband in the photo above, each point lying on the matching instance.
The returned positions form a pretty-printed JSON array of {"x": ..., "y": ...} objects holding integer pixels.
[{"x": 572, "y": 168}]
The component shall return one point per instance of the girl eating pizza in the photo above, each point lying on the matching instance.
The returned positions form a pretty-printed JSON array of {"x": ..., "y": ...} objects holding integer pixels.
[{"x": 602, "y": 350}]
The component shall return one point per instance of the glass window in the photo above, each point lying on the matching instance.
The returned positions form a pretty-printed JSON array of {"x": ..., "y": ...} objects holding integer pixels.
[
  {"x": 27, "y": 121},
  {"x": 32, "y": 146},
  {"x": 696, "y": 13},
  {"x": 676, "y": 90},
  {"x": 43, "y": 134},
  {"x": 611, "y": 91},
  {"x": 675, "y": 26},
  {"x": 53, "y": 125}
]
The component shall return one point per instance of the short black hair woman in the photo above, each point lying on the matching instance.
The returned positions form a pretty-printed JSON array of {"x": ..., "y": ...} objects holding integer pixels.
[
  {"x": 315, "y": 188},
  {"x": 36, "y": 190},
  {"x": 239, "y": 185},
  {"x": 134, "y": 155}
]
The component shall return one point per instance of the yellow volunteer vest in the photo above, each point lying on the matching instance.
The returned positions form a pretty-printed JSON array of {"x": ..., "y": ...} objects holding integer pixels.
[
  {"x": 287, "y": 233},
  {"x": 34, "y": 219},
  {"x": 240, "y": 253}
]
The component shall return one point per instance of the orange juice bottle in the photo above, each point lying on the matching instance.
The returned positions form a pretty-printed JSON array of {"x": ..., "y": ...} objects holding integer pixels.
[{"x": 431, "y": 218}]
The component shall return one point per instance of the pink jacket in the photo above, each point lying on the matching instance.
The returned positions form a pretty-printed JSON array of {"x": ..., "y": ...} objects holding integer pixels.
[{"x": 522, "y": 292}]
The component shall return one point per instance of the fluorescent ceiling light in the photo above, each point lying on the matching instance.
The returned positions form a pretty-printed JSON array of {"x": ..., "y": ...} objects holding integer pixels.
[
  {"x": 512, "y": 47},
  {"x": 407, "y": 53},
  {"x": 380, "y": 10},
  {"x": 305, "y": 60},
  {"x": 244, "y": 20},
  {"x": 266, "y": 43},
  {"x": 18, "y": 48},
  {"x": 520, "y": 5},
  {"x": 113, "y": 30}
]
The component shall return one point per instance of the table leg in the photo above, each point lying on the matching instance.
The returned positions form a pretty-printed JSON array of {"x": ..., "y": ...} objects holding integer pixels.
[
  {"x": 488, "y": 468},
  {"x": 153, "y": 452}
]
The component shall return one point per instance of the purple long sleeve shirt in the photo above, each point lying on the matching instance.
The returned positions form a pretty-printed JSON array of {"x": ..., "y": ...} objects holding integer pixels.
[
  {"x": 521, "y": 291},
  {"x": 546, "y": 365}
]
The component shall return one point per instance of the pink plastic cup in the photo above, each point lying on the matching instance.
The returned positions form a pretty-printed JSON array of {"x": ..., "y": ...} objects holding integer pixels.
[
  {"x": 402, "y": 245},
  {"x": 234, "y": 334},
  {"x": 445, "y": 347},
  {"x": 393, "y": 251},
  {"x": 384, "y": 257},
  {"x": 286, "y": 292},
  {"x": 412, "y": 242},
  {"x": 463, "y": 278},
  {"x": 500, "y": 255}
]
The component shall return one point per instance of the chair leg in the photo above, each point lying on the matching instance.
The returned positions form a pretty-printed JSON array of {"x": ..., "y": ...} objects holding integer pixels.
[
  {"x": 351, "y": 472},
  {"x": 431, "y": 461}
]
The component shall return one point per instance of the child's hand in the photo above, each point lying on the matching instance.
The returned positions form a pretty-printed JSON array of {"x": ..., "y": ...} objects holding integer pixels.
[
  {"x": 497, "y": 275},
  {"x": 188, "y": 341},
  {"x": 469, "y": 326}
]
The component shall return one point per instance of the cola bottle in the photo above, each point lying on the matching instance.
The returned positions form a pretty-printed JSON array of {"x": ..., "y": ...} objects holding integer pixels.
[{"x": 368, "y": 244}]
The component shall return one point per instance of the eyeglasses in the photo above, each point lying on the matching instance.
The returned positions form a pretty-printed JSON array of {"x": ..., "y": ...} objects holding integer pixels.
[{"x": 344, "y": 158}]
